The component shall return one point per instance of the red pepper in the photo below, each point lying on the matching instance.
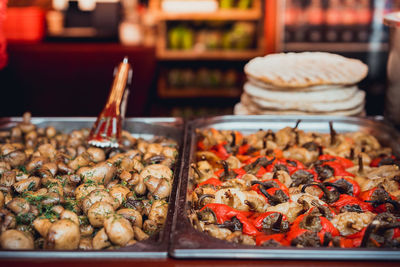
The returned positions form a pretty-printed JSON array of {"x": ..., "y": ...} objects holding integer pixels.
[
  {"x": 220, "y": 151},
  {"x": 376, "y": 161},
  {"x": 355, "y": 186},
  {"x": 240, "y": 172},
  {"x": 346, "y": 163},
  {"x": 243, "y": 149},
  {"x": 327, "y": 227},
  {"x": 354, "y": 240},
  {"x": 280, "y": 238},
  {"x": 338, "y": 169},
  {"x": 261, "y": 172},
  {"x": 350, "y": 242},
  {"x": 219, "y": 173},
  {"x": 201, "y": 146},
  {"x": 225, "y": 213},
  {"x": 272, "y": 190},
  {"x": 212, "y": 181},
  {"x": 350, "y": 201},
  {"x": 291, "y": 165},
  {"x": 296, "y": 230},
  {"x": 366, "y": 196}
]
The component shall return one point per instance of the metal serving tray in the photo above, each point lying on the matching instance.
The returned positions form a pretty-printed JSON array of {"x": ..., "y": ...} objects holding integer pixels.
[
  {"x": 154, "y": 247},
  {"x": 187, "y": 242}
]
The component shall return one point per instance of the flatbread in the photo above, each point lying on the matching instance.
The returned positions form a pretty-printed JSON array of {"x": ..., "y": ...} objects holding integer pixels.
[
  {"x": 295, "y": 70},
  {"x": 261, "y": 84},
  {"x": 335, "y": 94},
  {"x": 306, "y": 106},
  {"x": 241, "y": 109}
]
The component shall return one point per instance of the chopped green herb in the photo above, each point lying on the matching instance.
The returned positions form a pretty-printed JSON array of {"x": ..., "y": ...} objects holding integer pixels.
[
  {"x": 31, "y": 186},
  {"x": 22, "y": 169}
]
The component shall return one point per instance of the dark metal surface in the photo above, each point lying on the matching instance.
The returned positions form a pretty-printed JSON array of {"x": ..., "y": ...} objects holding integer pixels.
[
  {"x": 154, "y": 247},
  {"x": 190, "y": 243}
]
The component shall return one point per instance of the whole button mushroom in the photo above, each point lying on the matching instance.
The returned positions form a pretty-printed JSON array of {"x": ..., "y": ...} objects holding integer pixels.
[
  {"x": 96, "y": 196},
  {"x": 63, "y": 234},
  {"x": 14, "y": 239},
  {"x": 98, "y": 212},
  {"x": 118, "y": 229},
  {"x": 101, "y": 173}
]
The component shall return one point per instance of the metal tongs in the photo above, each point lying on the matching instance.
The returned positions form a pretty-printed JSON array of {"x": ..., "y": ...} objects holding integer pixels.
[{"x": 106, "y": 131}]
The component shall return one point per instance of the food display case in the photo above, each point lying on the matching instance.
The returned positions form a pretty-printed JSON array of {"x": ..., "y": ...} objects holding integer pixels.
[
  {"x": 190, "y": 243},
  {"x": 156, "y": 247}
]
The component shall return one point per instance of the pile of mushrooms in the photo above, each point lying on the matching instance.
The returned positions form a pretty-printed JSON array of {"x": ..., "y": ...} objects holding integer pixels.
[{"x": 56, "y": 192}]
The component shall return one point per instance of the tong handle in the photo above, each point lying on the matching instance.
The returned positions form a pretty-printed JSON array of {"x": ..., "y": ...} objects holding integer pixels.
[{"x": 122, "y": 79}]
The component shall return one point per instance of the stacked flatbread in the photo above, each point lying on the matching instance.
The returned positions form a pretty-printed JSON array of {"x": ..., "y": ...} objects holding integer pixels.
[{"x": 315, "y": 83}]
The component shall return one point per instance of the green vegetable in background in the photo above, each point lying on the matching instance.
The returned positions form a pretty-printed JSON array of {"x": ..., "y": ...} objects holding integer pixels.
[
  {"x": 226, "y": 4},
  {"x": 244, "y": 4},
  {"x": 187, "y": 39},
  {"x": 180, "y": 37},
  {"x": 174, "y": 38}
]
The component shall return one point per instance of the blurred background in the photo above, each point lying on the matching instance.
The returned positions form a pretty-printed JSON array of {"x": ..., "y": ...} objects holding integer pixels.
[{"x": 187, "y": 55}]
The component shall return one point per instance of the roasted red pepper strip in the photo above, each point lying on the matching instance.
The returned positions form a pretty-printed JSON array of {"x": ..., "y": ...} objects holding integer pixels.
[
  {"x": 280, "y": 238},
  {"x": 351, "y": 201},
  {"x": 225, "y": 213},
  {"x": 220, "y": 151},
  {"x": 376, "y": 161},
  {"x": 212, "y": 181},
  {"x": 338, "y": 169},
  {"x": 350, "y": 242},
  {"x": 243, "y": 149},
  {"x": 201, "y": 146},
  {"x": 240, "y": 172},
  {"x": 346, "y": 163},
  {"x": 261, "y": 172},
  {"x": 327, "y": 227},
  {"x": 296, "y": 230}
]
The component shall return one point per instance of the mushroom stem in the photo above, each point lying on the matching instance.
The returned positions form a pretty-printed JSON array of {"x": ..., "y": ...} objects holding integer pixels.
[
  {"x": 202, "y": 197},
  {"x": 305, "y": 206},
  {"x": 330, "y": 196},
  {"x": 333, "y": 133},
  {"x": 226, "y": 168},
  {"x": 233, "y": 143},
  {"x": 276, "y": 226},
  {"x": 360, "y": 164},
  {"x": 320, "y": 150},
  {"x": 264, "y": 142},
  {"x": 297, "y": 138},
  {"x": 197, "y": 171},
  {"x": 351, "y": 156},
  {"x": 272, "y": 199},
  {"x": 297, "y": 125},
  {"x": 270, "y": 133}
]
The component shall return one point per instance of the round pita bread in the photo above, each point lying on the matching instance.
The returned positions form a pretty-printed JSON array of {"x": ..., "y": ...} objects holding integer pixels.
[
  {"x": 333, "y": 95},
  {"x": 241, "y": 109},
  {"x": 262, "y": 84},
  {"x": 294, "y": 70},
  {"x": 306, "y": 106}
]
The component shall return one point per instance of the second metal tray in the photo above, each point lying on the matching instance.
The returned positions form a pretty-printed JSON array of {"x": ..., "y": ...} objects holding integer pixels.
[
  {"x": 190, "y": 243},
  {"x": 154, "y": 247}
]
